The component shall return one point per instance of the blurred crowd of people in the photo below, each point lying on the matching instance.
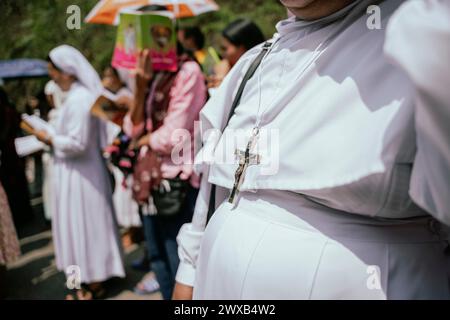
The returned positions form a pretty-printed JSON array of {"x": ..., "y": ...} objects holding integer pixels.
[{"x": 88, "y": 198}]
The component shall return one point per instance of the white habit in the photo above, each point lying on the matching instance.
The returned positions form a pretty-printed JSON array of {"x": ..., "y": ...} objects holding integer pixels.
[
  {"x": 127, "y": 211},
  {"x": 58, "y": 96},
  {"x": 351, "y": 198},
  {"x": 84, "y": 227}
]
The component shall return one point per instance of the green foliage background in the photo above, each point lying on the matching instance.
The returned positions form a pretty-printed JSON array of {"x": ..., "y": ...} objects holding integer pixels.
[{"x": 31, "y": 28}]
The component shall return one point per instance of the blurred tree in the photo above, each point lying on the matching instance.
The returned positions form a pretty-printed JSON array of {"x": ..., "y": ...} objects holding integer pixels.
[
  {"x": 30, "y": 29},
  {"x": 265, "y": 13}
]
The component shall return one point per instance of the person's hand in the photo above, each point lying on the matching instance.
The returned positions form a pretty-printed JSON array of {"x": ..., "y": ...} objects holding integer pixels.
[
  {"x": 124, "y": 101},
  {"x": 144, "y": 141},
  {"x": 144, "y": 70},
  {"x": 43, "y": 136},
  {"x": 182, "y": 292},
  {"x": 213, "y": 81},
  {"x": 220, "y": 71}
]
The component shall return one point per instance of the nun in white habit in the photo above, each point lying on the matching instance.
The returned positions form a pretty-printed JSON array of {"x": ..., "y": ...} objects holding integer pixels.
[
  {"x": 84, "y": 230},
  {"x": 55, "y": 98},
  {"x": 357, "y": 206}
]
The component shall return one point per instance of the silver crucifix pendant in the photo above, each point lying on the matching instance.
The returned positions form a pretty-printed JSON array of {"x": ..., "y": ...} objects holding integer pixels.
[{"x": 246, "y": 159}]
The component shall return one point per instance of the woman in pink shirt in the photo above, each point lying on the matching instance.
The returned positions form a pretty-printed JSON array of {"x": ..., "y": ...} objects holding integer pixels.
[{"x": 165, "y": 103}]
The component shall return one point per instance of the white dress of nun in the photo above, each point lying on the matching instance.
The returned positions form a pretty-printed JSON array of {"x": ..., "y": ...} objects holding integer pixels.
[
  {"x": 127, "y": 211},
  {"x": 351, "y": 198},
  {"x": 84, "y": 227},
  {"x": 58, "y": 96}
]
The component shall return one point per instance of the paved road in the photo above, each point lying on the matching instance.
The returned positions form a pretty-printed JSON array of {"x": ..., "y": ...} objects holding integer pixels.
[{"x": 34, "y": 275}]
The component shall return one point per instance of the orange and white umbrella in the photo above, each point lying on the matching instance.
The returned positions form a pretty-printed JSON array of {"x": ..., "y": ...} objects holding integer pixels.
[{"x": 107, "y": 11}]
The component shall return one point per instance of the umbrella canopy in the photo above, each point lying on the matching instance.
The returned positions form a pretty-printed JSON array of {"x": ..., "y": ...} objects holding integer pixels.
[
  {"x": 107, "y": 11},
  {"x": 23, "y": 68}
]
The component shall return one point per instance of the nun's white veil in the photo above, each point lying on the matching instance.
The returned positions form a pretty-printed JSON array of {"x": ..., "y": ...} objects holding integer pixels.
[{"x": 72, "y": 61}]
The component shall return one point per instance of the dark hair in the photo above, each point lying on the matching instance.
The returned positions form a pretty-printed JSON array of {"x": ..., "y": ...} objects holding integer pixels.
[
  {"x": 53, "y": 64},
  {"x": 180, "y": 49},
  {"x": 243, "y": 32},
  {"x": 114, "y": 71},
  {"x": 195, "y": 34},
  {"x": 4, "y": 101}
]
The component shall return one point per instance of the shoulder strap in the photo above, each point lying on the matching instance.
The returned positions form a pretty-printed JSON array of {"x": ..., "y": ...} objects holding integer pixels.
[
  {"x": 237, "y": 99},
  {"x": 250, "y": 72}
]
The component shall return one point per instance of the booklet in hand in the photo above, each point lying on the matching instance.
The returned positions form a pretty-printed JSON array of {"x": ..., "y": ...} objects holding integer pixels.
[
  {"x": 107, "y": 107},
  {"x": 146, "y": 30},
  {"x": 28, "y": 145},
  {"x": 32, "y": 123}
]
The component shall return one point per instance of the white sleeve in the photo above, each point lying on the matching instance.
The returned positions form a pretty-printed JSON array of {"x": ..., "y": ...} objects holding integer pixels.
[
  {"x": 76, "y": 137},
  {"x": 212, "y": 117},
  {"x": 418, "y": 40},
  {"x": 190, "y": 236}
]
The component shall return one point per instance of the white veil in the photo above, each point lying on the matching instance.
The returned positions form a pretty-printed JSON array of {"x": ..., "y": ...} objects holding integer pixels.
[{"x": 72, "y": 62}]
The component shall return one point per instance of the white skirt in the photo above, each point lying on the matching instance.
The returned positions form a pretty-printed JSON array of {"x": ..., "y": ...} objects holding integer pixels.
[
  {"x": 127, "y": 211},
  {"x": 279, "y": 245},
  {"x": 85, "y": 233},
  {"x": 47, "y": 166}
]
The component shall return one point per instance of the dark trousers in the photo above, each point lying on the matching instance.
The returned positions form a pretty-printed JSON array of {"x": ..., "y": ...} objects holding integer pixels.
[{"x": 160, "y": 236}]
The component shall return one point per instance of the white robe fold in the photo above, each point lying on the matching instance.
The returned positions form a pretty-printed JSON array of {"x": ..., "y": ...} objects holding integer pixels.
[{"x": 419, "y": 42}]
